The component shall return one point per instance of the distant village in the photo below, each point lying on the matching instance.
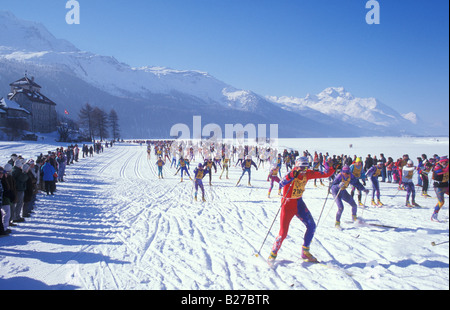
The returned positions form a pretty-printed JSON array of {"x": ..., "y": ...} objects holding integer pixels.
[{"x": 26, "y": 109}]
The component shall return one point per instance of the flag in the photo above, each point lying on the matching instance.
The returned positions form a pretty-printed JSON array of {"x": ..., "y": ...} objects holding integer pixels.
[{"x": 65, "y": 112}]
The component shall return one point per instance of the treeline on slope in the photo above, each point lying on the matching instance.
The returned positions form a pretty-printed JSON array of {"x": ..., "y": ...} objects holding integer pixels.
[{"x": 93, "y": 124}]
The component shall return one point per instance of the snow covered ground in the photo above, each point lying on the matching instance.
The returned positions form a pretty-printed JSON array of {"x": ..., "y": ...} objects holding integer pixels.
[{"x": 113, "y": 225}]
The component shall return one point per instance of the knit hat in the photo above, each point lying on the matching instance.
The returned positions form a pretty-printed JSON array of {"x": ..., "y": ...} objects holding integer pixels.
[
  {"x": 346, "y": 169},
  {"x": 25, "y": 167},
  {"x": 302, "y": 162},
  {"x": 19, "y": 162},
  {"x": 8, "y": 167}
]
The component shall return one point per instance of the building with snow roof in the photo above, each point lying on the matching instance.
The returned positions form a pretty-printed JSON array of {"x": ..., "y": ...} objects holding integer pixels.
[
  {"x": 26, "y": 93},
  {"x": 11, "y": 109}
]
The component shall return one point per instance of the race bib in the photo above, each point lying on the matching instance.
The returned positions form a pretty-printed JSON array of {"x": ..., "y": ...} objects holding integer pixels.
[{"x": 298, "y": 187}]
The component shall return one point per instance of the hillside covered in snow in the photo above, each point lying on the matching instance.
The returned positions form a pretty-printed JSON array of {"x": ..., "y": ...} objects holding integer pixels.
[{"x": 151, "y": 99}]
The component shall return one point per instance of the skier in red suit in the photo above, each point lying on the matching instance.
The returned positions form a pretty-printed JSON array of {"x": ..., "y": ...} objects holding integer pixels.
[{"x": 292, "y": 204}]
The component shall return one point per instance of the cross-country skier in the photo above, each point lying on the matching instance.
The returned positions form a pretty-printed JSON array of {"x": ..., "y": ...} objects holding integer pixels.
[
  {"x": 160, "y": 163},
  {"x": 292, "y": 204},
  {"x": 174, "y": 160},
  {"x": 273, "y": 177},
  {"x": 428, "y": 165},
  {"x": 226, "y": 163},
  {"x": 316, "y": 167},
  {"x": 182, "y": 165},
  {"x": 407, "y": 181},
  {"x": 208, "y": 165},
  {"x": 246, "y": 167},
  {"x": 338, "y": 189},
  {"x": 199, "y": 174},
  {"x": 440, "y": 177},
  {"x": 373, "y": 173},
  {"x": 403, "y": 162},
  {"x": 279, "y": 163},
  {"x": 357, "y": 170}
]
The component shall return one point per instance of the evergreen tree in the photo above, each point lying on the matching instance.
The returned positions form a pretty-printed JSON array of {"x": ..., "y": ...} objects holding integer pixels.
[
  {"x": 114, "y": 124},
  {"x": 100, "y": 123},
  {"x": 86, "y": 117}
]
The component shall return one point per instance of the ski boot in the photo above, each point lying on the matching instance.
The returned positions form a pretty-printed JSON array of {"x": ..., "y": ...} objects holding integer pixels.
[
  {"x": 203, "y": 199},
  {"x": 307, "y": 256},
  {"x": 374, "y": 203},
  {"x": 434, "y": 217},
  {"x": 415, "y": 204},
  {"x": 268, "y": 195},
  {"x": 408, "y": 204},
  {"x": 379, "y": 203},
  {"x": 337, "y": 225},
  {"x": 272, "y": 257},
  {"x": 279, "y": 192},
  {"x": 425, "y": 194}
]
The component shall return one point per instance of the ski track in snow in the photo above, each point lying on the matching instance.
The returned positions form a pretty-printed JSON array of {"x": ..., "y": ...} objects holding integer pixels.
[{"x": 113, "y": 225}]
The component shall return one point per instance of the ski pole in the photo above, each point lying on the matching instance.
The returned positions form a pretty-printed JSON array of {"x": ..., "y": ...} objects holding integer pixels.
[
  {"x": 399, "y": 189},
  {"x": 323, "y": 207},
  {"x": 337, "y": 196},
  {"x": 434, "y": 243},
  {"x": 365, "y": 199},
  {"x": 276, "y": 216}
]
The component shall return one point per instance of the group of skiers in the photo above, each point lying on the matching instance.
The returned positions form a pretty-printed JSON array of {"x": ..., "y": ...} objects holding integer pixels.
[
  {"x": 344, "y": 173},
  {"x": 22, "y": 179},
  {"x": 341, "y": 178}
]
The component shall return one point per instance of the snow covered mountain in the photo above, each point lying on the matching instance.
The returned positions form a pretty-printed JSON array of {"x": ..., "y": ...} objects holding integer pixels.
[
  {"x": 150, "y": 100},
  {"x": 365, "y": 113}
]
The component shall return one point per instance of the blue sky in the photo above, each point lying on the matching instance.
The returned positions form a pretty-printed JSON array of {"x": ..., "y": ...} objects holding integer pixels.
[{"x": 284, "y": 47}]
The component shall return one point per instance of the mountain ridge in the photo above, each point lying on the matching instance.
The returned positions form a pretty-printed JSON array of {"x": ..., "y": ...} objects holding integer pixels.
[{"x": 146, "y": 95}]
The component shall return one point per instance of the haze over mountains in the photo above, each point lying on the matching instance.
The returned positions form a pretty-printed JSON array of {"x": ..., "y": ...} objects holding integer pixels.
[{"x": 150, "y": 100}]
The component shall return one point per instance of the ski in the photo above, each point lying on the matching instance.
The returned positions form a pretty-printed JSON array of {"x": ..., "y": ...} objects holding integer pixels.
[
  {"x": 362, "y": 223},
  {"x": 270, "y": 263},
  {"x": 438, "y": 221},
  {"x": 328, "y": 265},
  {"x": 381, "y": 225}
]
